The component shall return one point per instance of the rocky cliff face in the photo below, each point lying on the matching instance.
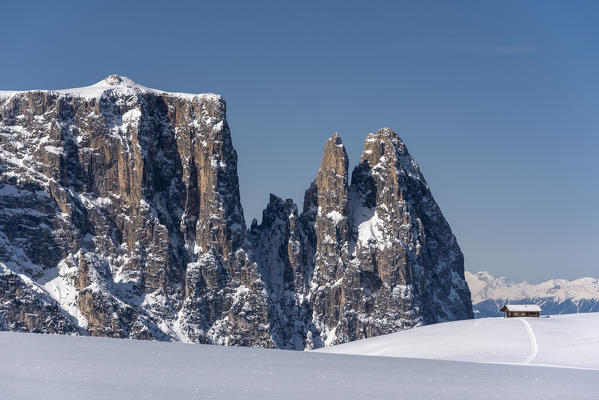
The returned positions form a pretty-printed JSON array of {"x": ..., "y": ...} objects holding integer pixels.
[{"x": 120, "y": 216}]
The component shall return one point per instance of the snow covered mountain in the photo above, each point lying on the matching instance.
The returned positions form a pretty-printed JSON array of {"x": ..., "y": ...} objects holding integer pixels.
[
  {"x": 120, "y": 216},
  {"x": 556, "y": 296}
]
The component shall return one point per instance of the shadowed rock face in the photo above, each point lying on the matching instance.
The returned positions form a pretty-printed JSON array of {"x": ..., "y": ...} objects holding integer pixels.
[
  {"x": 380, "y": 255},
  {"x": 120, "y": 216},
  {"x": 129, "y": 198},
  {"x": 23, "y": 308},
  {"x": 402, "y": 238}
]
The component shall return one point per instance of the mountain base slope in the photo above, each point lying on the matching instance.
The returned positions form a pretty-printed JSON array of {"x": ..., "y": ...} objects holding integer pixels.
[{"x": 67, "y": 367}]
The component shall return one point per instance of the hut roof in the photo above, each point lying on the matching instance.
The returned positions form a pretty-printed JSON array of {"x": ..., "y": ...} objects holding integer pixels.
[{"x": 521, "y": 308}]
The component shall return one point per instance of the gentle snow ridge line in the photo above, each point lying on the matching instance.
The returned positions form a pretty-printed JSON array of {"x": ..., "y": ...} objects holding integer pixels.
[
  {"x": 113, "y": 82},
  {"x": 567, "y": 341}
]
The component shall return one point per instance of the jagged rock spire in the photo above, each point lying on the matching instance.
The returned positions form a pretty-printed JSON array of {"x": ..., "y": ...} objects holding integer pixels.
[
  {"x": 331, "y": 260},
  {"x": 331, "y": 182},
  {"x": 332, "y": 178},
  {"x": 400, "y": 231}
]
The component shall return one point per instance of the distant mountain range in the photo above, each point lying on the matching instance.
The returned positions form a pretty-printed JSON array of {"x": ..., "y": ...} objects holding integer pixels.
[{"x": 556, "y": 296}]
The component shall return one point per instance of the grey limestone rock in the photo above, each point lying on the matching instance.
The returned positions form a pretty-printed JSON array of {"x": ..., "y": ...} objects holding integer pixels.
[{"x": 120, "y": 216}]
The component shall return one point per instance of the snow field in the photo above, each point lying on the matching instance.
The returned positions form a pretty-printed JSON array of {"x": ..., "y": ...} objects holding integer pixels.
[
  {"x": 569, "y": 340},
  {"x": 55, "y": 367}
]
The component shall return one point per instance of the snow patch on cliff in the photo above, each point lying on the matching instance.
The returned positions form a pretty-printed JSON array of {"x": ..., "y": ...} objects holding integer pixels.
[{"x": 118, "y": 84}]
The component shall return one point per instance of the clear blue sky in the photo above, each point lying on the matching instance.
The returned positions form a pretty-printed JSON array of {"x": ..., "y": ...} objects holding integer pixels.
[{"x": 497, "y": 101}]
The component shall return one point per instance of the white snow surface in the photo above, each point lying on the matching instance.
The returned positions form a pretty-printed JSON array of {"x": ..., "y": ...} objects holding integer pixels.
[
  {"x": 370, "y": 231},
  {"x": 115, "y": 83},
  {"x": 523, "y": 307},
  {"x": 485, "y": 286},
  {"x": 57, "y": 367},
  {"x": 568, "y": 340}
]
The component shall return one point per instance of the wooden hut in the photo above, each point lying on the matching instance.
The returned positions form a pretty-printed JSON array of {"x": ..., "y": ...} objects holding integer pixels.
[{"x": 521, "y": 310}]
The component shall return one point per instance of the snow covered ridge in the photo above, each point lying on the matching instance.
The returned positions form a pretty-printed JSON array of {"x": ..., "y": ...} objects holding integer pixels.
[
  {"x": 120, "y": 216},
  {"x": 116, "y": 83},
  {"x": 555, "y": 296},
  {"x": 568, "y": 341}
]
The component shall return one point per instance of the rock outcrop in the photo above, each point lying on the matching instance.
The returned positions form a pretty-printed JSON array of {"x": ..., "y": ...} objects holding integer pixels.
[{"x": 120, "y": 216}]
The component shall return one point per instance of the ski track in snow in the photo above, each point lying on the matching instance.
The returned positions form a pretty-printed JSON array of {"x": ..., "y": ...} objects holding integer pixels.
[{"x": 533, "y": 342}]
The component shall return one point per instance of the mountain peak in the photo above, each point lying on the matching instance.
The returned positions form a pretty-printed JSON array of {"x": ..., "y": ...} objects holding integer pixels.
[
  {"x": 117, "y": 80},
  {"x": 119, "y": 84},
  {"x": 386, "y": 132},
  {"x": 336, "y": 138}
]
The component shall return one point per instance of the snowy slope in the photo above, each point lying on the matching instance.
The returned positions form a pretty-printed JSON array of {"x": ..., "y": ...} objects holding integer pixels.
[
  {"x": 563, "y": 340},
  {"x": 56, "y": 367},
  {"x": 115, "y": 83},
  {"x": 555, "y": 296}
]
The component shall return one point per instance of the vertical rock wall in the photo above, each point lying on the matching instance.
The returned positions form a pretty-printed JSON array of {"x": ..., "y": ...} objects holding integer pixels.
[{"x": 120, "y": 215}]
